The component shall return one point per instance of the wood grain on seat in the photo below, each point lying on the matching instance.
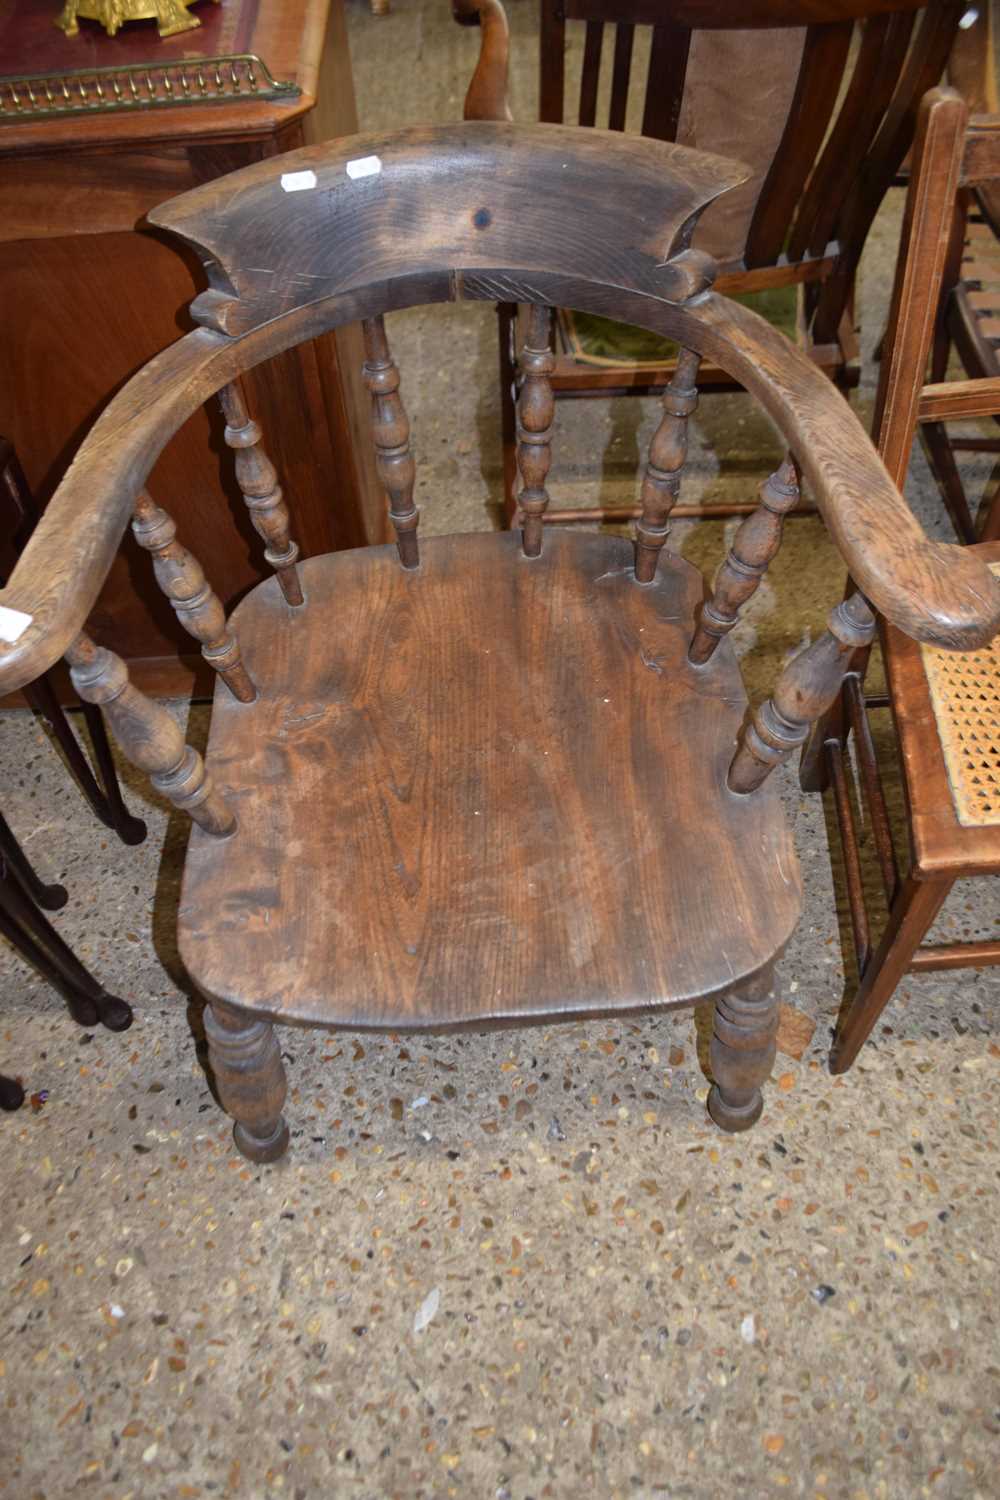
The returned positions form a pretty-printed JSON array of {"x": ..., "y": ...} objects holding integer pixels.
[{"x": 488, "y": 788}]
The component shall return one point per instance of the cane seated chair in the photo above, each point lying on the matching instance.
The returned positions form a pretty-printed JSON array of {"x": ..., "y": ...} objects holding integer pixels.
[
  {"x": 409, "y": 820},
  {"x": 842, "y": 79},
  {"x": 945, "y": 707}
]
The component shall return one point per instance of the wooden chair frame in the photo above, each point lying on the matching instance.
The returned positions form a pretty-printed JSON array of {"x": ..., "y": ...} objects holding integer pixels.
[
  {"x": 821, "y": 194},
  {"x": 951, "y": 157},
  {"x": 297, "y": 246}
]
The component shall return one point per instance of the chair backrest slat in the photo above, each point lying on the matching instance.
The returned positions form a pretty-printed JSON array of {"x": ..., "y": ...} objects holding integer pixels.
[
  {"x": 620, "y": 73},
  {"x": 591, "y": 75},
  {"x": 876, "y": 73},
  {"x": 668, "y": 59},
  {"x": 824, "y": 58}
]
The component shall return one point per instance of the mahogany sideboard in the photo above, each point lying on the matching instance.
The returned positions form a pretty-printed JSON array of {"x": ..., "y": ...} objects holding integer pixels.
[{"x": 89, "y": 294}]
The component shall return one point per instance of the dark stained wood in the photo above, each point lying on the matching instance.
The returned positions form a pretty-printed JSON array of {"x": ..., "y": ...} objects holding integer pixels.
[
  {"x": 620, "y": 73},
  {"x": 924, "y": 65},
  {"x": 443, "y": 823},
  {"x": 882, "y": 50},
  {"x": 482, "y": 855},
  {"x": 391, "y": 431},
  {"x": 668, "y": 59},
  {"x": 535, "y": 410},
  {"x": 754, "y": 548},
  {"x": 262, "y": 494},
  {"x": 806, "y": 689},
  {"x": 661, "y": 481},
  {"x": 149, "y": 736},
  {"x": 709, "y": 14},
  {"x": 743, "y": 1049},
  {"x": 838, "y": 153},
  {"x": 181, "y": 578},
  {"x": 591, "y": 73},
  {"x": 246, "y": 1063},
  {"x": 823, "y": 60}
]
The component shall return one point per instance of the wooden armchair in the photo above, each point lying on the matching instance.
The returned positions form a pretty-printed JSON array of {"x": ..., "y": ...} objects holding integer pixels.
[
  {"x": 849, "y": 121},
  {"x": 489, "y": 779}
]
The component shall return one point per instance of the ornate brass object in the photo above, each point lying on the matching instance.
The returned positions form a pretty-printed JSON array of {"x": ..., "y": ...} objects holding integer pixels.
[
  {"x": 171, "y": 16},
  {"x": 121, "y": 90}
]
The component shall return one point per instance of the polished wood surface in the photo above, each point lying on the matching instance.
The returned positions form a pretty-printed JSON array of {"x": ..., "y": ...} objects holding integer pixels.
[
  {"x": 88, "y": 298},
  {"x": 498, "y": 838}
]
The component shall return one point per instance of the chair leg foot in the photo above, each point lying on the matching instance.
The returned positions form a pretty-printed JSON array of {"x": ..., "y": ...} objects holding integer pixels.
[
  {"x": 744, "y": 1028},
  {"x": 250, "y": 1077}
]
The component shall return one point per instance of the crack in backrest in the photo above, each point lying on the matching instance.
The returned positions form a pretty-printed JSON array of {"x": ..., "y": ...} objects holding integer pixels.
[{"x": 296, "y": 246}]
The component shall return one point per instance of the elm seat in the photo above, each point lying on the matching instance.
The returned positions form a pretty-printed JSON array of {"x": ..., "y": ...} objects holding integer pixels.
[
  {"x": 494, "y": 778},
  {"x": 444, "y": 825}
]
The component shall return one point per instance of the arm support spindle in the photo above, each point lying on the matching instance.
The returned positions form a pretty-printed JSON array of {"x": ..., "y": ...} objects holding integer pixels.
[
  {"x": 258, "y": 482},
  {"x": 754, "y": 549},
  {"x": 199, "y": 609},
  {"x": 667, "y": 451},
  {"x": 805, "y": 690},
  {"x": 148, "y": 735}
]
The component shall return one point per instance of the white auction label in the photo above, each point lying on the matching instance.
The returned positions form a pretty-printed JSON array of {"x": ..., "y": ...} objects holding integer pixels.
[
  {"x": 364, "y": 166},
  {"x": 13, "y": 623},
  {"x": 298, "y": 182}
]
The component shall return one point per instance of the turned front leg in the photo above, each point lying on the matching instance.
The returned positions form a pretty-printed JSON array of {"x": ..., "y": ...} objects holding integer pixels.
[
  {"x": 744, "y": 1028},
  {"x": 250, "y": 1078}
]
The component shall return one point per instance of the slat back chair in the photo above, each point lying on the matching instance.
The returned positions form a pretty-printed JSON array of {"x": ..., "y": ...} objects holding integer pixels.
[
  {"x": 944, "y": 707},
  {"x": 410, "y": 821},
  {"x": 848, "y": 128}
]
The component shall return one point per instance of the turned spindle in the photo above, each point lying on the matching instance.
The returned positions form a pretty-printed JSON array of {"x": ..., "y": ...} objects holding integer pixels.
[
  {"x": 258, "y": 482},
  {"x": 391, "y": 431},
  {"x": 535, "y": 412},
  {"x": 806, "y": 688},
  {"x": 199, "y": 609},
  {"x": 661, "y": 481},
  {"x": 148, "y": 735},
  {"x": 751, "y": 554}
]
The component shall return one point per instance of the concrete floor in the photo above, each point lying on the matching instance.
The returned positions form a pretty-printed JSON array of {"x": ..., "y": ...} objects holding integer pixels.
[{"x": 618, "y": 1300}]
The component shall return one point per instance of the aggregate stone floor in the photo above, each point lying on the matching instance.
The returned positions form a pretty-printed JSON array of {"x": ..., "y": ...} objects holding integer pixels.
[{"x": 515, "y": 1266}]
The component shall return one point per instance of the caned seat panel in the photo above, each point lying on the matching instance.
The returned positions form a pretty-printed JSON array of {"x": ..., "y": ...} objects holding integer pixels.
[{"x": 459, "y": 795}]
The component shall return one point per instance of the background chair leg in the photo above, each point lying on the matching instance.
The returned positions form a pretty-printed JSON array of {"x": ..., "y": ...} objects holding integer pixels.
[
  {"x": 949, "y": 481},
  {"x": 912, "y": 913},
  {"x": 745, "y": 1024},
  {"x": 250, "y": 1077},
  {"x": 14, "y": 861},
  {"x": 11, "y": 1094},
  {"x": 24, "y": 925},
  {"x": 105, "y": 797}
]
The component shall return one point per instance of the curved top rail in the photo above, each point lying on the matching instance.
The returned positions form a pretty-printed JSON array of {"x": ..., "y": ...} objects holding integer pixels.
[
  {"x": 321, "y": 221},
  {"x": 938, "y": 593}
]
